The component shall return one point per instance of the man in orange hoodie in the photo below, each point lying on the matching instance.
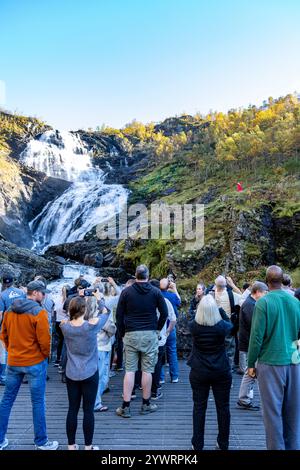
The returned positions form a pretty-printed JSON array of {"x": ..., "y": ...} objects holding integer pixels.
[{"x": 26, "y": 335}]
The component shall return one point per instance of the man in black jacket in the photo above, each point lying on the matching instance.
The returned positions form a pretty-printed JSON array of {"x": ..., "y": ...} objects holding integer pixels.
[
  {"x": 258, "y": 290},
  {"x": 137, "y": 321}
]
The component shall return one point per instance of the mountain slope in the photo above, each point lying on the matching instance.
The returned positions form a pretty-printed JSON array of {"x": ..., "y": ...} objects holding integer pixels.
[{"x": 202, "y": 161}]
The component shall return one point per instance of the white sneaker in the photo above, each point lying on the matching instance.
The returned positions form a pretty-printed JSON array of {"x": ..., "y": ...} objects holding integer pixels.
[
  {"x": 76, "y": 447},
  {"x": 175, "y": 381},
  {"x": 93, "y": 448},
  {"x": 49, "y": 445},
  {"x": 4, "y": 444}
]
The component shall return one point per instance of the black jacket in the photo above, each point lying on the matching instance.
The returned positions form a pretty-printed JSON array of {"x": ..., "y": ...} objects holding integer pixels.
[
  {"x": 136, "y": 310},
  {"x": 193, "y": 306},
  {"x": 246, "y": 314},
  {"x": 208, "y": 351}
]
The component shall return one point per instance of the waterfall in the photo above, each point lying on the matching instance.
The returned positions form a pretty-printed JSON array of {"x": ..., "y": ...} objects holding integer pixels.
[{"x": 86, "y": 203}]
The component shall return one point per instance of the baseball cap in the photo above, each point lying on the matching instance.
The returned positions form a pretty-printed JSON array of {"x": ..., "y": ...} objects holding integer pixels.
[
  {"x": 7, "y": 279},
  {"x": 39, "y": 286}
]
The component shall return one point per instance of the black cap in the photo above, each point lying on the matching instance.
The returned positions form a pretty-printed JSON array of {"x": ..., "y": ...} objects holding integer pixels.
[
  {"x": 7, "y": 279},
  {"x": 39, "y": 286}
]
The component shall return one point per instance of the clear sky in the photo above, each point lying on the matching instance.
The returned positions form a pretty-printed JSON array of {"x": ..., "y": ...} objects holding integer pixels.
[{"x": 82, "y": 63}]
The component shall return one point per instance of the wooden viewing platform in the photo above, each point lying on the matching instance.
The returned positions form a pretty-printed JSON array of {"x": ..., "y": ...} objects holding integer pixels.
[{"x": 168, "y": 428}]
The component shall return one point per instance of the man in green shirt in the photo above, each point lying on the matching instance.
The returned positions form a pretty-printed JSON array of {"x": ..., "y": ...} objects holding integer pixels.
[{"x": 274, "y": 357}]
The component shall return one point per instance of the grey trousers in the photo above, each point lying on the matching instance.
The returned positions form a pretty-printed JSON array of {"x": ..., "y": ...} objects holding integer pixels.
[
  {"x": 280, "y": 398},
  {"x": 230, "y": 348},
  {"x": 247, "y": 384}
]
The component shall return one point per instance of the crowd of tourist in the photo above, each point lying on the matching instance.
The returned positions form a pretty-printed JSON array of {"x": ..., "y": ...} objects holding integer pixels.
[{"x": 99, "y": 328}]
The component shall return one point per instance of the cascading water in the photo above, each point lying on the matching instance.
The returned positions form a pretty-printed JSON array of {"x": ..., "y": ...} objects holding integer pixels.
[{"x": 86, "y": 203}]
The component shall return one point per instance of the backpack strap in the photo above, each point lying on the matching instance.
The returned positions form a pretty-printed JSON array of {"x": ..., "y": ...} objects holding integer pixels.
[{"x": 231, "y": 299}]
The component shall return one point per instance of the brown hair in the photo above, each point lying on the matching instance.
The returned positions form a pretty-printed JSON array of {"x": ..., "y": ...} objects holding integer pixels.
[{"x": 77, "y": 307}]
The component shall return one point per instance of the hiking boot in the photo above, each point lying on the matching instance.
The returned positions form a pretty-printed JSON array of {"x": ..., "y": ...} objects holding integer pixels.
[
  {"x": 146, "y": 409},
  {"x": 49, "y": 445},
  {"x": 250, "y": 406},
  {"x": 123, "y": 412},
  {"x": 4, "y": 444}
]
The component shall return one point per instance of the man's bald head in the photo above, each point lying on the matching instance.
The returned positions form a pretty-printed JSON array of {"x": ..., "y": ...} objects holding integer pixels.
[
  {"x": 274, "y": 276},
  {"x": 220, "y": 282}
]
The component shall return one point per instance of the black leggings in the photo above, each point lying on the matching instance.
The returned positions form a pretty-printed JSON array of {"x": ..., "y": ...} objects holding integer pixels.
[
  {"x": 87, "y": 389},
  {"x": 60, "y": 340},
  {"x": 201, "y": 382},
  {"x": 119, "y": 351}
]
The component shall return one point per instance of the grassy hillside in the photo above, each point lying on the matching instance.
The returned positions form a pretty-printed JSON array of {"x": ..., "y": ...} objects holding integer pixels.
[{"x": 205, "y": 158}]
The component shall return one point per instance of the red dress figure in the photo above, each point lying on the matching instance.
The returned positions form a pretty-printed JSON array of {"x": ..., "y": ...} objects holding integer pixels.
[{"x": 239, "y": 187}]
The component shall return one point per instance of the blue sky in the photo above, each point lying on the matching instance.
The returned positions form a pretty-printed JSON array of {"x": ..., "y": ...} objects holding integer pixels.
[{"x": 82, "y": 63}]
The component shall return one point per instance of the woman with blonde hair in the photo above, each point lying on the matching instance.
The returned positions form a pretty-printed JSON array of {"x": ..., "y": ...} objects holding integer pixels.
[{"x": 210, "y": 368}]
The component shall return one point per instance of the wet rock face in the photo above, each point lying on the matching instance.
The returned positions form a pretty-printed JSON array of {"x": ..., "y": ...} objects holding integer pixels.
[
  {"x": 95, "y": 260},
  {"x": 251, "y": 239},
  {"x": 25, "y": 265},
  {"x": 118, "y": 158},
  {"x": 87, "y": 252},
  {"x": 118, "y": 274},
  {"x": 287, "y": 238},
  {"x": 191, "y": 263},
  {"x": 94, "y": 253},
  {"x": 184, "y": 337}
]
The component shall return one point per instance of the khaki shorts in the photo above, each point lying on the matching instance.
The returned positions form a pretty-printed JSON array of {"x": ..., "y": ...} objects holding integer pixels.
[{"x": 140, "y": 344}]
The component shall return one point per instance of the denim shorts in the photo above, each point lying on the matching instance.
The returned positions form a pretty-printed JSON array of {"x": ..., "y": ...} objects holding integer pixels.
[{"x": 141, "y": 345}]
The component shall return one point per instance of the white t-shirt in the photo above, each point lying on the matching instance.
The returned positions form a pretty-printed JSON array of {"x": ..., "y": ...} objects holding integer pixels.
[
  {"x": 222, "y": 299},
  {"x": 171, "y": 317},
  {"x": 61, "y": 314}
]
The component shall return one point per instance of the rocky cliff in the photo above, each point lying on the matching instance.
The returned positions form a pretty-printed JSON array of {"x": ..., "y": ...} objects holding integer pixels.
[
  {"x": 23, "y": 264},
  {"x": 23, "y": 194}
]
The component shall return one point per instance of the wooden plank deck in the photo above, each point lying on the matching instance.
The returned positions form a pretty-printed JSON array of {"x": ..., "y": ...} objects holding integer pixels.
[{"x": 169, "y": 428}]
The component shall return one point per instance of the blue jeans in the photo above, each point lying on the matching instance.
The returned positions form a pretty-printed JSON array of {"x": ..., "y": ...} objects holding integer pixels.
[
  {"x": 2, "y": 373},
  {"x": 37, "y": 381},
  {"x": 171, "y": 350},
  {"x": 103, "y": 367},
  {"x": 3, "y": 361}
]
